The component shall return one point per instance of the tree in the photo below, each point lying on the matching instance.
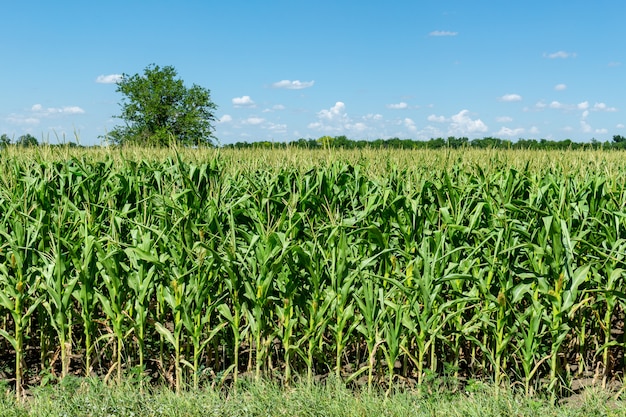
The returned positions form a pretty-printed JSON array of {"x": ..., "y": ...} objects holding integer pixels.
[
  {"x": 158, "y": 109},
  {"x": 5, "y": 140},
  {"x": 27, "y": 140}
]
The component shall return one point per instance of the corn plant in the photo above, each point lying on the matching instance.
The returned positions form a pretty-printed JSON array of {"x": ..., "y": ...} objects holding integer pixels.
[
  {"x": 394, "y": 335},
  {"x": 19, "y": 281},
  {"x": 113, "y": 298},
  {"x": 339, "y": 261},
  {"x": 369, "y": 298},
  {"x": 144, "y": 265},
  {"x": 504, "y": 265},
  {"x": 315, "y": 311},
  {"x": 202, "y": 297},
  {"x": 559, "y": 284},
  {"x": 531, "y": 331}
]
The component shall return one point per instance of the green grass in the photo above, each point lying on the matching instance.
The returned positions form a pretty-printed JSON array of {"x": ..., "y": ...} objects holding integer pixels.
[{"x": 77, "y": 397}]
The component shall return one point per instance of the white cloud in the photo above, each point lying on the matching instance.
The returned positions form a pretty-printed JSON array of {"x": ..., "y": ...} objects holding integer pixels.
[
  {"x": 254, "y": 121},
  {"x": 333, "y": 120},
  {"x": 274, "y": 108},
  {"x": 335, "y": 112},
  {"x": 336, "y": 121},
  {"x": 584, "y": 106},
  {"x": 442, "y": 33},
  {"x": 109, "y": 79},
  {"x": 293, "y": 85},
  {"x": 560, "y": 54},
  {"x": 398, "y": 106},
  {"x": 225, "y": 119},
  {"x": 505, "y": 131},
  {"x": 276, "y": 127},
  {"x": 244, "y": 101},
  {"x": 534, "y": 130},
  {"x": 19, "y": 119},
  {"x": 410, "y": 124},
  {"x": 560, "y": 87},
  {"x": 463, "y": 124},
  {"x": 356, "y": 127},
  {"x": 603, "y": 107},
  {"x": 511, "y": 97},
  {"x": 504, "y": 119},
  {"x": 620, "y": 126},
  {"x": 71, "y": 110},
  {"x": 39, "y": 110},
  {"x": 586, "y": 127},
  {"x": 371, "y": 116},
  {"x": 436, "y": 119}
]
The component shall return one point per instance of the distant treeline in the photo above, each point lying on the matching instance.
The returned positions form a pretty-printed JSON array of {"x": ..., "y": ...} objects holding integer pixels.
[
  {"x": 324, "y": 142},
  {"x": 619, "y": 142}
]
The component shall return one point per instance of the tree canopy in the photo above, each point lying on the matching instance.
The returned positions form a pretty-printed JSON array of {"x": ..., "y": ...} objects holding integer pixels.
[
  {"x": 5, "y": 140},
  {"x": 158, "y": 109},
  {"x": 27, "y": 140}
]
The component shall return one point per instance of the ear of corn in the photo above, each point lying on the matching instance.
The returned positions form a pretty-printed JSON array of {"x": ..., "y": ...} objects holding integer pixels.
[{"x": 197, "y": 268}]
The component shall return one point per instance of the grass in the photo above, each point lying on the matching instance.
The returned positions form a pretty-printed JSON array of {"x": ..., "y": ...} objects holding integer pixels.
[{"x": 91, "y": 397}]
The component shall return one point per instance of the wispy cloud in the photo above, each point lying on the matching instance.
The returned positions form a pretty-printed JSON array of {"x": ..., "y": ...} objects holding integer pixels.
[
  {"x": 276, "y": 107},
  {"x": 603, "y": 107},
  {"x": 225, "y": 119},
  {"x": 436, "y": 119},
  {"x": 253, "y": 121},
  {"x": 560, "y": 54},
  {"x": 461, "y": 123},
  {"x": 19, "y": 119},
  {"x": 506, "y": 131},
  {"x": 583, "y": 105},
  {"x": 585, "y": 127},
  {"x": 558, "y": 105},
  {"x": 438, "y": 33},
  {"x": 410, "y": 125},
  {"x": 511, "y": 97},
  {"x": 109, "y": 79},
  {"x": 244, "y": 101},
  {"x": 276, "y": 127},
  {"x": 560, "y": 87},
  {"x": 398, "y": 106},
  {"x": 39, "y": 110},
  {"x": 335, "y": 120},
  {"x": 334, "y": 113},
  {"x": 293, "y": 85}
]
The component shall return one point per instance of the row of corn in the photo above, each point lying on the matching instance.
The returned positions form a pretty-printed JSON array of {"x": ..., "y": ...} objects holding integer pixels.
[{"x": 192, "y": 272}]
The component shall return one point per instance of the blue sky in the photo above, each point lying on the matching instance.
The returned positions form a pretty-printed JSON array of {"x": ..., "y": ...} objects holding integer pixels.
[{"x": 282, "y": 70}]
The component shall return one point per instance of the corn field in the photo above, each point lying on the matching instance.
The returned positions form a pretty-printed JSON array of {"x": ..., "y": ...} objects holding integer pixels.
[{"x": 379, "y": 268}]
